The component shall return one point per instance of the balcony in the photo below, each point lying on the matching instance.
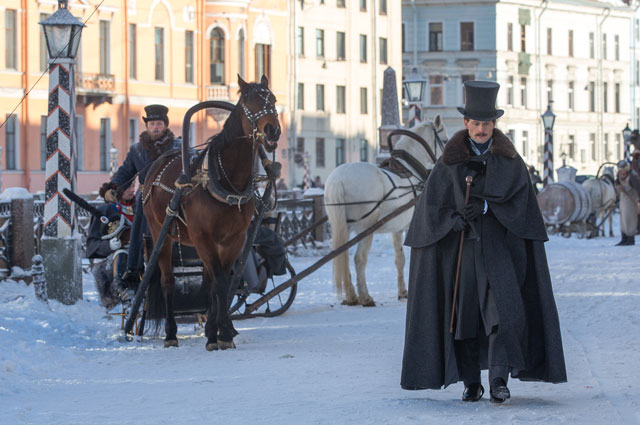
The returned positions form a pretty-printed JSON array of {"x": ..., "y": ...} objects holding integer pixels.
[
  {"x": 95, "y": 88},
  {"x": 218, "y": 92}
]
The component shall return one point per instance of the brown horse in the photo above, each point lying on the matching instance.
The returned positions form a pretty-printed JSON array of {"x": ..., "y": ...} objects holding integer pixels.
[{"x": 214, "y": 214}]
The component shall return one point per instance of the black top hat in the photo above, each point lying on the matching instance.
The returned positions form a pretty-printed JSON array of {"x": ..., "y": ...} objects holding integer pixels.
[
  {"x": 481, "y": 101},
  {"x": 156, "y": 113}
]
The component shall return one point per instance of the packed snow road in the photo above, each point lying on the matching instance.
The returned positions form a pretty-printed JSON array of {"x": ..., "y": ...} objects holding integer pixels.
[{"x": 319, "y": 363}]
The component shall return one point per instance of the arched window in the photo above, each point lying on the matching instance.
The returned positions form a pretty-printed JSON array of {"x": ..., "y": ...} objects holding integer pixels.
[
  {"x": 216, "y": 55},
  {"x": 241, "y": 53}
]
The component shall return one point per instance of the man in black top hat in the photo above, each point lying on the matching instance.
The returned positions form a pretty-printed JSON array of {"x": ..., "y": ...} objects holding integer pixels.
[
  {"x": 505, "y": 316},
  {"x": 156, "y": 140}
]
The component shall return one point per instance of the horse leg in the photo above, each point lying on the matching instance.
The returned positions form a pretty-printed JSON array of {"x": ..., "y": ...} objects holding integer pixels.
[
  {"x": 361, "y": 263},
  {"x": 400, "y": 261},
  {"x": 211, "y": 328},
  {"x": 223, "y": 319},
  {"x": 168, "y": 286}
]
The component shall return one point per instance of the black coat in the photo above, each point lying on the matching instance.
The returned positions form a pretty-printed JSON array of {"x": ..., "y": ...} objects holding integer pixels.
[
  {"x": 96, "y": 246},
  {"x": 515, "y": 264},
  {"x": 140, "y": 157}
]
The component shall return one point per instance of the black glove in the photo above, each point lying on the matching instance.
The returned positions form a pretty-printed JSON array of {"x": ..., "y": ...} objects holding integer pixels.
[
  {"x": 460, "y": 224},
  {"x": 474, "y": 209}
]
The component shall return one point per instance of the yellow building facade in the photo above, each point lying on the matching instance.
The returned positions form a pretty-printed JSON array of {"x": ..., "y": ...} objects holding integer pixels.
[{"x": 133, "y": 53}]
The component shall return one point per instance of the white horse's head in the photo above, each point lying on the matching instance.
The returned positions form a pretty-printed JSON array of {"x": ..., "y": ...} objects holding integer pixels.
[{"x": 433, "y": 132}]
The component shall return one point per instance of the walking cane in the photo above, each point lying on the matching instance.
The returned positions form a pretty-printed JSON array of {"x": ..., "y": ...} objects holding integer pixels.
[{"x": 468, "y": 179}]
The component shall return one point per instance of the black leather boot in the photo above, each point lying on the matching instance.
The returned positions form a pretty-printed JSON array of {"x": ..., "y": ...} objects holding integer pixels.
[
  {"x": 623, "y": 241},
  {"x": 499, "y": 391},
  {"x": 473, "y": 392}
]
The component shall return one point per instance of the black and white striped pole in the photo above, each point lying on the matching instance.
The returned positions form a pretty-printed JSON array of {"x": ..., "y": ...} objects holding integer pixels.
[
  {"x": 548, "y": 119},
  {"x": 61, "y": 245}
]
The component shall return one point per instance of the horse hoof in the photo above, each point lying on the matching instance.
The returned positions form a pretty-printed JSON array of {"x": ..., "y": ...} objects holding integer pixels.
[
  {"x": 403, "y": 296},
  {"x": 223, "y": 345},
  {"x": 347, "y": 302},
  {"x": 369, "y": 303},
  {"x": 212, "y": 346},
  {"x": 171, "y": 343}
]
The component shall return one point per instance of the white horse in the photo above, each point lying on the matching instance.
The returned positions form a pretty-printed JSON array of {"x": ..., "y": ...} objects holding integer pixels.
[
  {"x": 603, "y": 198},
  {"x": 357, "y": 195}
]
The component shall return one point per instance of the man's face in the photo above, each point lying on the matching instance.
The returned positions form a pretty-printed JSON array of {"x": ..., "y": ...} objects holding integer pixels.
[
  {"x": 479, "y": 131},
  {"x": 623, "y": 173},
  {"x": 129, "y": 193},
  {"x": 156, "y": 129}
]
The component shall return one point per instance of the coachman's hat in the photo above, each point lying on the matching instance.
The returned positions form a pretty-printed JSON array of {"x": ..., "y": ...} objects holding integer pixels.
[
  {"x": 481, "y": 101},
  {"x": 156, "y": 113}
]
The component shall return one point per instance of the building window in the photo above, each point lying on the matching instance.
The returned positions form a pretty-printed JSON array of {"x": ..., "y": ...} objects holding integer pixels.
[
  {"x": 435, "y": 89},
  {"x": 616, "y": 46},
  {"x": 216, "y": 57},
  {"x": 607, "y": 153},
  {"x": 525, "y": 143},
  {"x": 363, "y": 100},
  {"x": 549, "y": 42},
  {"x": 340, "y": 3},
  {"x": 383, "y": 51},
  {"x": 363, "y": 48},
  {"x": 404, "y": 46},
  {"x": 320, "y": 43},
  {"x": 341, "y": 99},
  {"x": 300, "y": 41},
  {"x": 133, "y": 131},
  {"x": 464, "y": 79},
  {"x": 319, "y": 151},
  {"x": 572, "y": 147},
  {"x": 637, "y": 73},
  {"x": 340, "y": 151},
  {"x": 510, "y": 91},
  {"x": 79, "y": 129},
  {"x": 300, "y": 145},
  {"x": 319, "y": 97},
  {"x": 133, "y": 51},
  {"x": 383, "y": 7},
  {"x": 10, "y": 142},
  {"x": 510, "y": 37},
  {"x": 105, "y": 135},
  {"x": 159, "y": 48},
  {"x": 188, "y": 56},
  {"x": 11, "y": 39},
  {"x": 341, "y": 52},
  {"x": 592, "y": 139},
  {"x": 300, "y": 105},
  {"x": 604, "y": 46},
  {"x": 364, "y": 150},
  {"x": 605, "y": 97},
  {"x": 466, "y": 36},
  {"x": 192, "y": 134},
  {"x": 241, "y": 53},
  {"x": 570, "y": 43},
  {"x": 617, "y": 97},
  {"x": 592, "y": 50},
  {"x": 105, "y": 47},
  {"x": 571, "y": 95},
  {"x": 523, "y": 92},
  {"x": 619, "y": 152},
  {"x": 523, "y": 38},
  {"x": 44, "y": 53},
  {"x": 435, "y": 37},
  {"x": 592, "y": 96},
  {"x": 43, "y": 142},
  {"x": 549, "y": 91},
  {"x": 263, "y": 61},
  {"x": 363, "y": 5}
]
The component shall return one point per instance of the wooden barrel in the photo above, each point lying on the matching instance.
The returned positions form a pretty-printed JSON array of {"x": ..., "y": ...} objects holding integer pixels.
[{"x": 564, "y": 202}]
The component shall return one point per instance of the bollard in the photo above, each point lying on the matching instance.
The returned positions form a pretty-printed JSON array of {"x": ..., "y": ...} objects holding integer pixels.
[{"x": 39, "y": 281}]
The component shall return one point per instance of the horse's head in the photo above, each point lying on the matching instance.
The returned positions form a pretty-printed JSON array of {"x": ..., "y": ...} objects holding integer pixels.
[
  {"x": 260, "y": 119},
  {"x": 433, "y": 132}
]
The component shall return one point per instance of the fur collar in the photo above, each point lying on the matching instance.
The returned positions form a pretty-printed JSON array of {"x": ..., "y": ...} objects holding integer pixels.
[
  {"x": 457, "y": 148},
  {"x": 156, "y": 148}
]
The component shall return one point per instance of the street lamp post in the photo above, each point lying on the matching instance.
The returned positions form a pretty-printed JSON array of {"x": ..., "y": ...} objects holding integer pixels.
[
  {"x": 61, "y": 245},
  {"x": 626, "y": 134},
  {"x": 414, "y": 85},
  {"x": 548, "y": 119}
]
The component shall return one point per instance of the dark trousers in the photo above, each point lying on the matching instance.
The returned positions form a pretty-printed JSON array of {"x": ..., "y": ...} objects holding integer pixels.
[
  {"x": 468, "y": 359},
  {"x": 139, "y": 227}
]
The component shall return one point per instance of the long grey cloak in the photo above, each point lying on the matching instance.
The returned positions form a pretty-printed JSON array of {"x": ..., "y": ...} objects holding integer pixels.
[{"x": 517, "y": 271}]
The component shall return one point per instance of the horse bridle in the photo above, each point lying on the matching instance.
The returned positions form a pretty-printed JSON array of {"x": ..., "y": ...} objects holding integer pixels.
[{"x": 268, "y": 108}]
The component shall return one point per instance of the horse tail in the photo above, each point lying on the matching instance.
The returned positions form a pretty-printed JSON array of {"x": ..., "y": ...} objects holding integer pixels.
[
  {"x": 155, "y": 305},
  {"x": 337, "y": 214}
]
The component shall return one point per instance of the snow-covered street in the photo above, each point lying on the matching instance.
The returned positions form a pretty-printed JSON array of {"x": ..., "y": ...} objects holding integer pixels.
[{"x": 319, "y": 363}]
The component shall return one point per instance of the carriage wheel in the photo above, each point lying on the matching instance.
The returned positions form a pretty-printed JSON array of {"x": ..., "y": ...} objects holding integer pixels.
[{"x": 275, "y": 306}]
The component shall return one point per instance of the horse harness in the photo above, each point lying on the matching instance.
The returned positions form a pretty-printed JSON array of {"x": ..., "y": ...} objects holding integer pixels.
[{"x": 392, "y": 165}]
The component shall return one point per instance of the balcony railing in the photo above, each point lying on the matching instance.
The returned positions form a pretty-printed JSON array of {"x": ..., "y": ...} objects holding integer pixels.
[
  {"x": 218, "y": 92},
  {"x": 99, "y": 84}
]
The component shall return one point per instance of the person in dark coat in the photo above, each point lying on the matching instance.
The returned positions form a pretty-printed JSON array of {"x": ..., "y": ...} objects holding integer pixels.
[
  {"x": 505, "y": 316},
  {"x": 628, "y": 186},
  {"x": 156, "y": 140}
]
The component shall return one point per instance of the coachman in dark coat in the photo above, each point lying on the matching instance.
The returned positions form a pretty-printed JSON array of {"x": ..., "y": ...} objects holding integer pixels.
[
  {"x": 156, "y": 140},
  {"x": 505, "y": 317}
]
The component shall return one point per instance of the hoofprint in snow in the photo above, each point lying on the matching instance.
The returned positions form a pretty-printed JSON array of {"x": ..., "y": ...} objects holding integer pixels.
[{"x": 319, "y": 363}]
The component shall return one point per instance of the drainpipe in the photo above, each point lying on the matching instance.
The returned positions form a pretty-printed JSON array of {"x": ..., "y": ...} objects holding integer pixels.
[
  {"x": 606, "y": 12},
  {"x": 633, "y": 81},
  {"x": 539, "y": 106},
  {"x": 293, "y": 138},
  {"x": 415, "y": 33},
  {"x": 24, "y": 113}
]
